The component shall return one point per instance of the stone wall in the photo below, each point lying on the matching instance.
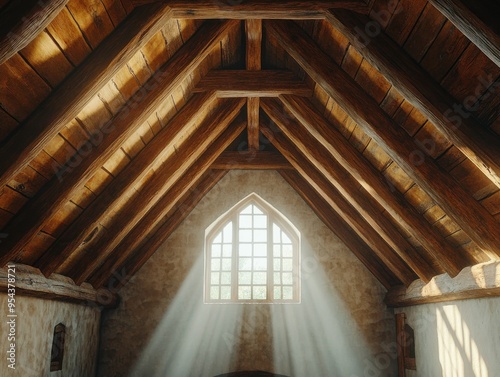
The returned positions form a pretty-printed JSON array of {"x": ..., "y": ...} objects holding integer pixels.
[
  {"x": 162, "y": 327},
  {"x": 34, "y": 329}
]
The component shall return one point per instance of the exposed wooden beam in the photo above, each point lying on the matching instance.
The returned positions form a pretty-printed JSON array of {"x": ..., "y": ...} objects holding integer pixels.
[
  {"x": 473, "y": 218},
  {"x": 81, "y": 231},
  {"x": 186, "y": 154},
  {"x": 257, "y": 9},
  {"x": 243, "y": 83},
  {"x": 248, "y": 160},
  {"x": 134, "y": 250},
  {"x": 348, "y": 187},
  {"x": 479, "y": 281},
  {"x": 132, "y": 115},
  {"x": 104, "y": 275},
  {"x": 471, "y": 26},
  {"x": 339, "y": 227},
  {"x": 253, "y": 57},
  {"x": 337, "y": 202},
  {"x": 376, "y": 185},
  {"x": 29, "y": 281},
  {"x": 478, "y": 143},
  {"x": 22, "y": 21},
  {"x": 65, "y": 102}
]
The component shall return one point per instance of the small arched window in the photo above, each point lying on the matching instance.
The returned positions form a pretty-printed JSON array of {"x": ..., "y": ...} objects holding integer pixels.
[
  {"x": 57, "y": 352},
  {"x": 252, "y": 256}
]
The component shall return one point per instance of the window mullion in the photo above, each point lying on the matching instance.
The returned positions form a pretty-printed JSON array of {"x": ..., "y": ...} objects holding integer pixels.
[
  {"x": 270, "y": 275},
  {"x": 234, "y": 259}
]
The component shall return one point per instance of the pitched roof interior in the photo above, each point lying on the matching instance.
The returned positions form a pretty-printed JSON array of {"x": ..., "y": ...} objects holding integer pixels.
[{"x": 71, "y": 203}]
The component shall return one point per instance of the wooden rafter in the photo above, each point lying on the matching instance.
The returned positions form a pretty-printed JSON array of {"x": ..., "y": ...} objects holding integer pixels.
[
  {"x": 22, "y": 21},
  {"x": 376, "y": 185},
  {"x": 336, "y": 201},
  {"x": 339, "y": 227},
  {"x": 250, "y": 160},
  {"x": 31, "y": 282},
  {"x": 65, "y": 102},
  {"x": 348, "y": 187},
  {"x": 257, "y": 9},
  {"x": 253, "y": 58},
  {"x": 479, "y": 33},
  {"x": 248, "y": 83},
  {"x": 166, "y": 176},
  {"x": 476, "y": 142},
  {"x": 135, "y": 249},
  {"x": 166, "y": 80},
  {"x": 474, "y": 219},
  {"x": 177, "y": 209},
  {"x": 90, "y": 219}
]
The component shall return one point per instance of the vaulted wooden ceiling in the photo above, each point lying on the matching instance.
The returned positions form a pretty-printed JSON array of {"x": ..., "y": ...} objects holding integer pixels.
[{"x": 117, "y": 116}]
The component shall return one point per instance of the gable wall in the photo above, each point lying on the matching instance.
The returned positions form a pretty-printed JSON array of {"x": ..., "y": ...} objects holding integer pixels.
[{"x": 162, "y": 325}]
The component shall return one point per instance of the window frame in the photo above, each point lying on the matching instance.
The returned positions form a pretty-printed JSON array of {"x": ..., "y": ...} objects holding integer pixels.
[{"x": 273, "y": 217}]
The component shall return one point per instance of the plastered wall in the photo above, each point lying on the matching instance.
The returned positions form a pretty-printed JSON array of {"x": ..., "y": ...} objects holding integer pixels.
[
  {"x": 456, "y": 339},
  {"x": 162, "y": 327},
  {"x": 34, "y": 330}
]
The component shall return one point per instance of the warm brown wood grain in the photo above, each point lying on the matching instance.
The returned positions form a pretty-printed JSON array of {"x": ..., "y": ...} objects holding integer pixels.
[
  {"x": 73, "y": 236},
  {"x": 174, "y": 206},
  {"x": 376, "y": 184},
  {"x": 253, "y": 58},
  {"x": 444, "y": 190},
  {"x": 243, "y": 83},
  {"x": 125, "y": 123},
  {"x": 348, "y": 187},
  {"x": 476, "y": 142},
  {"x": 22, "y": 21},
  {"x": 339, "y": 227},
  {"x": 257, "y": 9},
  {"x": 251, "y": 160},
  {"x": 340, "y": 205},
  {"x": 31, "y": 282},
  {"x": 108, "y": 270},
  {"x": 165, "y": 177},
  {"x": 471, "y": 26},
  {"x": 73, "y": 94}
]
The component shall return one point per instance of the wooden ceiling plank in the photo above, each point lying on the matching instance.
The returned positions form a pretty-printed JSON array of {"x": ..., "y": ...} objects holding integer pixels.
[
  {"x": 341, "y": 179},
  {"x": 375, "y": 184},
  {"x": 22, "y": 22},
  {"x": 253, "y": 57},
  {"x": 175, "y": 205},
  {"x": 336, "y": 201},
  {"x": 444, "y": 189},
  {"x": 115, "y": 132},
  {"x": 250, "y": 160},
  {"x": 247, "y": 83},
  {"x": 478, "y": 32},
  {"x": 133, "y": 173},
  {"x": 31, "y": 282},
  {"x": 106, "y": 272},
  {"x": 257, "y": 9},
  {"x": 166, "y": 176},
  {"x": 340, "y": 228},
  {"x": 72, "y": 95},
  {"x": 475, "y": 141}
]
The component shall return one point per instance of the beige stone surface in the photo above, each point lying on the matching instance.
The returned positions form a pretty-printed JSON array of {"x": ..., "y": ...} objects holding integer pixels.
[
  {"x": 35, "y": 322},
  {"x": 162, "y": 327}
]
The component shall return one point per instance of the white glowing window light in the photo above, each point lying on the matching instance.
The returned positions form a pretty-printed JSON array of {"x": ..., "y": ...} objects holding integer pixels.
[{"x": 252, "y": 257}]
